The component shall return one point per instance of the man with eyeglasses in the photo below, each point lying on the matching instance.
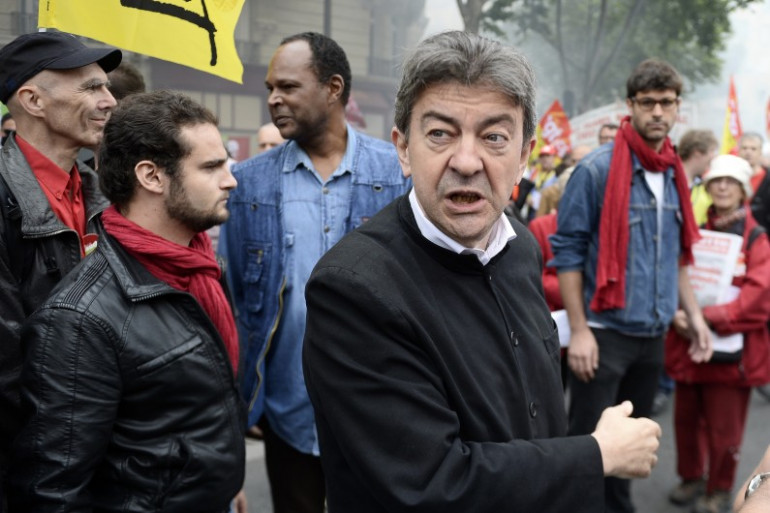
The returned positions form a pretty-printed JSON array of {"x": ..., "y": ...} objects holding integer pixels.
[{"x": 624, "y": 238}]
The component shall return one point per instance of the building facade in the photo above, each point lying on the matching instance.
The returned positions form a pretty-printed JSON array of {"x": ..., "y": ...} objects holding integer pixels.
[{"x": 374, "y": 34}]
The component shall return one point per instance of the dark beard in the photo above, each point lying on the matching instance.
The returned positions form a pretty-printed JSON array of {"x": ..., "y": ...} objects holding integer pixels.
[{"x": 180, "y": 209}]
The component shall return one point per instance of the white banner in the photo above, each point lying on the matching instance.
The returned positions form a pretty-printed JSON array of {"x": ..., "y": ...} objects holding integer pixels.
[
  {"x": 585, "y": 127},
  {"x": 716, "y": 257},
  {"x": 716, "y": 262}
]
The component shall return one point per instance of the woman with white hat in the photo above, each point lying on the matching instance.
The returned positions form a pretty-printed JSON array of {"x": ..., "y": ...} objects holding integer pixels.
[{"x": 712, "y": 398}]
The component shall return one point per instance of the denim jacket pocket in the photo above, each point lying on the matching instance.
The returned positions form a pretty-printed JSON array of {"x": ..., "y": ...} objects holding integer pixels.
[{"x": 258, "y": 256}]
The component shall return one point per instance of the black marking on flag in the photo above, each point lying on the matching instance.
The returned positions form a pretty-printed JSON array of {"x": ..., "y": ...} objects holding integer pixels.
[{"x": 203, "y": 21}]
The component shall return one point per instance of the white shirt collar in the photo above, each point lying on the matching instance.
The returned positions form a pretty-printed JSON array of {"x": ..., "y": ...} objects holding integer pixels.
[{"x": 501, "y": 233}]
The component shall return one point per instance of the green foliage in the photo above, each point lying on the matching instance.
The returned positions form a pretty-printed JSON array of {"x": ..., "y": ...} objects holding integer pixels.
[
  {"x": 498, "y": 11},
  {"x": 598, "y": 42},
  {"x": 486, "y": 15}
]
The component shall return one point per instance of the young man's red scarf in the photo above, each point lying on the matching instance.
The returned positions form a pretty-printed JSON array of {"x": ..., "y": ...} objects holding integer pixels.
[
  {"x": 190, "y": 268},
  {"x": 613, "y": 227}
]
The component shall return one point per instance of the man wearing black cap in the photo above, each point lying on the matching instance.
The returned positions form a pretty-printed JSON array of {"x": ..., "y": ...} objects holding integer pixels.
[{"x": 56, "y": 89}]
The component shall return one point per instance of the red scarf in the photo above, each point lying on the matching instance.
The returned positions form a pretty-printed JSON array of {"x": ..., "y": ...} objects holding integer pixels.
[
  {"x": 613, "y": 227},
  {"x": 190, "y": 269}
]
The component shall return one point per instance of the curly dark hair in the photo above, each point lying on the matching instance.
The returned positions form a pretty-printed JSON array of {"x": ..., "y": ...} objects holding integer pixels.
[
  {"x": 146, "y": 126},
  {"x": 653, "y": 75},
  {"x": 329, "y": 59}
]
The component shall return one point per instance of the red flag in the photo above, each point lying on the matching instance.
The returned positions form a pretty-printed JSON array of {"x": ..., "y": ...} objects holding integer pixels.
[
  {"x": 767, "y": 119},
  {"x": 732, "y": 130},
  {"x": 554, "y": 129}
]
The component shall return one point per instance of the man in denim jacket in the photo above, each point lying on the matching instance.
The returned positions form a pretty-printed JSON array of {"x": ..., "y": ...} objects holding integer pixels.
[
  {"x": 293, "y": 203},
  {"x": 625, "y": 233}
]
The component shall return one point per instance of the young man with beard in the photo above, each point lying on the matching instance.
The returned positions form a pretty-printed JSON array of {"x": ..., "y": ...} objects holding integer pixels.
[
  {"x": 128, "y": 386},
  {"x": 430, "y": 355},
  {"x": 293, "y": 204},
  {"x": 624, "y": 238}
]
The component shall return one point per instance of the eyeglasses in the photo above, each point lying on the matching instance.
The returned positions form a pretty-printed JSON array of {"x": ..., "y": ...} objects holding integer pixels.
[{"x": 648, "y": 104}]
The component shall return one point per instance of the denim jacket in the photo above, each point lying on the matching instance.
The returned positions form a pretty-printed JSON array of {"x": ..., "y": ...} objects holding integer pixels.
[
  {"x": 253, "y": 240},
  {"x": 652, "y": 268}
]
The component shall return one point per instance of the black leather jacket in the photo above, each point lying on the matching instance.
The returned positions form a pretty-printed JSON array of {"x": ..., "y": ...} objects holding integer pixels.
[
  {"x": 36, "y": 251},
  {"x": 129, "y": 398}
]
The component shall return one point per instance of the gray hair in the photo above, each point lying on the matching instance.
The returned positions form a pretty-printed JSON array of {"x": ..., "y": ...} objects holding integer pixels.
[
  {"x": 470, "y": 60},
  {"x": 752, "y": 135}
]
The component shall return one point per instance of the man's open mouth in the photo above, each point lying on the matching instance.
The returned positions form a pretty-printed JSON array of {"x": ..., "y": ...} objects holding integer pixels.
[{"x": 465, "y": 197}]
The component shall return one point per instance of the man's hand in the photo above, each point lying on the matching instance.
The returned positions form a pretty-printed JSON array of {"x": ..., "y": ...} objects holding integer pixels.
[
  {"x": 583, "y": 354},
  {"x": 681, "y": 325},
  {"x": 627, "y": 445},
  {"x": 701, "y": 347},
  {"x": 240, "y": 504}
]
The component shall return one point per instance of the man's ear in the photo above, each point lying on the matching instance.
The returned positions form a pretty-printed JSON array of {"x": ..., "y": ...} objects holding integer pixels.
[
  {"x": 401, "y": 143},
  {"x": 630, "y": 106},
  {"x": 336, "y": 86},
  {"x": 150, "y": 177},
  {"x": 526, "y": 151},
  {"x": 29, "y": 98}
]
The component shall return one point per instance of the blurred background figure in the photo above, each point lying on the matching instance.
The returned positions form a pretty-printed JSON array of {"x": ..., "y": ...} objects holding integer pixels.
[
  {"x": 268, "y": 137},
  {"x": 750, "y": 148},
  {"x": 697, "y": 149},
  {"x": 7, "y": 126},
  {"x": 551, "y": 194},
  {"x": 126, "y": 79},
  {"x": 712, "y": 399},
  {"x": 607, "y": 133},
  {"x": 233, "y": 149}
]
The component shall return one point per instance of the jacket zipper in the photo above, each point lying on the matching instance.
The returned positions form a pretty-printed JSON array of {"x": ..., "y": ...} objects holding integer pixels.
[{"x": 267, "y": 346}]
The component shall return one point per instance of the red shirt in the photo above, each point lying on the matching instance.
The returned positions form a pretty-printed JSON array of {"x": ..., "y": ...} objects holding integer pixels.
[
  {"x": 63, "y": 189},
  {"x": 756, "y": 179}
]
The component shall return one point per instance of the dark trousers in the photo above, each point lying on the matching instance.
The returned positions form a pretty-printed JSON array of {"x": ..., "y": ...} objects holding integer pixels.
[
  {"x": 296, "y": 479},
  {"x": 629, "y": 368}
]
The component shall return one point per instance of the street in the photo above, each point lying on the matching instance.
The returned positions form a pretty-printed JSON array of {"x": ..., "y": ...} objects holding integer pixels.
[{"x": 649, "y": 494}]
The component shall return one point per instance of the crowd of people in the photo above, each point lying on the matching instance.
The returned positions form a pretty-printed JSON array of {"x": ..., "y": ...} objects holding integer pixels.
[{"x": 380, "y": 314}]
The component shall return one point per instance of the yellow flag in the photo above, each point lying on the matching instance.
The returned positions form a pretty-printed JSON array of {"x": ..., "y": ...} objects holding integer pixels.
[
  {"x": 732, "y": 130},
  {"x": 194, "y": 33}
]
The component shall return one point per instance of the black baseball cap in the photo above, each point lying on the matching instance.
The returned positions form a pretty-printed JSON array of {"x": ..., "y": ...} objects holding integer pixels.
[{"x": 29, "y": 54}]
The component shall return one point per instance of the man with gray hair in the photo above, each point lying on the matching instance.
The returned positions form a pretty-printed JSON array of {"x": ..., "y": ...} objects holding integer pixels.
[
  {"x": 750, "y": 149},
  {"x": 430, "y": 355}
]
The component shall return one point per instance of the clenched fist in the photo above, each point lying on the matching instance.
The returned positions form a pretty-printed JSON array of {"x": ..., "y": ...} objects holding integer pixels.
[{"x": 628, "y": 445}]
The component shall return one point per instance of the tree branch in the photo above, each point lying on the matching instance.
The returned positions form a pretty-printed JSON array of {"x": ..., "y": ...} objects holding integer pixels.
[
  {"x": 631, "y": 19},
  {"x": 596, "y": 45},
  {"x": 560, "y": 44}
]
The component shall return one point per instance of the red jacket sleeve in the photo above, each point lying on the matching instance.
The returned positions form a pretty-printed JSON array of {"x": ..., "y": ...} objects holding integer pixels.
[{"x": 541, "y": 228}]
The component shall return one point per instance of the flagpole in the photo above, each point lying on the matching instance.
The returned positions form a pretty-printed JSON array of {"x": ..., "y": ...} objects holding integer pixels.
[{"x": 328, "y": 18}]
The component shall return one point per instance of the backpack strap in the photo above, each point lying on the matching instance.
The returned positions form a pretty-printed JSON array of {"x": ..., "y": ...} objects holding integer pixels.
[{"x": 755, "y": 232}]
